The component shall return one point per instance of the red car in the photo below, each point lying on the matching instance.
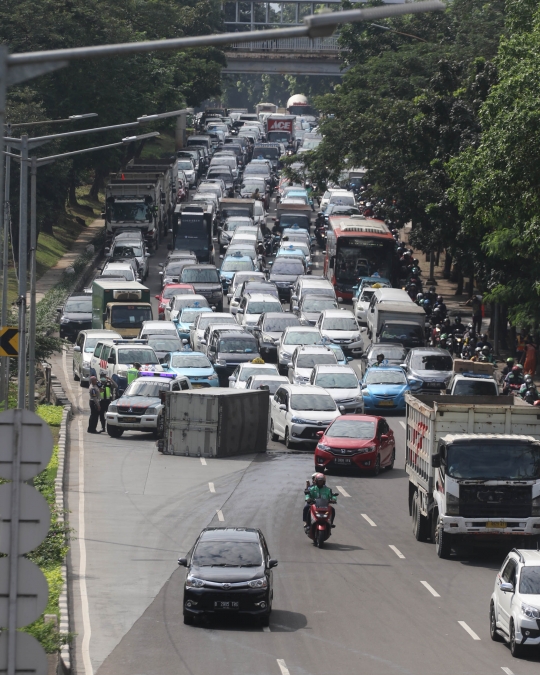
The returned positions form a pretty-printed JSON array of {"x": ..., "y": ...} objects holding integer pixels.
[
  {"x": 363, "y": 442},
  {"x": 168, "y": 291}
]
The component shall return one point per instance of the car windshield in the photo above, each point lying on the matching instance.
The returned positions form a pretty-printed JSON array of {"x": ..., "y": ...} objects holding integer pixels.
[
  {"x": 475, "y": 388},
  {"x": 190, "y": 361},
  {"x": 367, "y": 294},
  {"x": 318, "y": 402},
  {"x": 227, "y": 554},
  {"x": 237, "y": 346},
  {"x": 318, "y": 305},
  {"x": 204, "y": 276},
  {"x": 175, "y": 268},
  {"x": 360, "y": 430},
  {"x": 278, "y": 324},
  {"x": 189, "y": 315},
  {"x": 493, "y": 461},
  {"x": 165, "y": 344},
  {"x": 401, "y": 332},
  {"x": 185, "y": 165},
  {"x": 303, "y": 338},
  {"x": 169, "y": 292},
  {"x": 312, "y": 360},
  {"x": 126, "y": 251},
  {"x": 79, "y": 306},
  {"x": 219, "y": 174},
  {"x": 273, "y": 385},
  {"x": 378, "y": 376},
  {"x": 389, "y": 352},
  {"x": 211, "y": 318},
  {"x": 337, "y": 381},
  {"x": 151, "y": 389},
  {"x": 248, "y": 371},
  {"x": 132, "y": 355},
  {"x": 266, "y": 153},
  {"x": 262, "y": 307},
  {"x": 236, "y": 265},
  {"x": 233, "y": 224},
  {"x": 288, "y": 267},
  {"x": 129, "y": 212},
  {"x": 340, "y": 323},
  {"x": 90, "y": 343},
  {"x": 342, "y": 199},
  {"x": 125, "y": 272},
  {"x": 130, "y": 316},
  {"x": 287, "y": 220},
  {"x": 529, "y": 580},
  {"x": 432, "y": 362}
]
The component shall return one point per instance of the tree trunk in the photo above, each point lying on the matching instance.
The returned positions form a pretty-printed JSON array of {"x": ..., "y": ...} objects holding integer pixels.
[
  {"x": 460, "y": 280},
  {"x": 46, "y": 225},
  {"x": 72, "y": 196},
  {"x": 98, "y": 183},
  {"x": 447, "y": 266},
  {"x": 503, "y": 326},
  {"x": 470, "y": 286}
]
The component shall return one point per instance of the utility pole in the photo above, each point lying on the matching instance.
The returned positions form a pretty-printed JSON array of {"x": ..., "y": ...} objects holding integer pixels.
[
  {"x": 4, "y": 366},
  {"x": 33, "y": 270},
  {"x": 23, "y": 259}
]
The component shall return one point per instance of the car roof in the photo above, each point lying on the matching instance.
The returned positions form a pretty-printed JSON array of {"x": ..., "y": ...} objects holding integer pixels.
[
  {"x": 277, "y": 378},
  {"x": 99, "y": 333},
  {"x": 337, "y": 312},
  {"x": 279, "y": 315},
  {"x": 338, "y": 368},
  {"x": 314, "y": 349},
  {"x": 314, "y": 296},
  {"x": 117, "y": 264},
  {"x": 192, "y": 297},
  {"x": 379, "y": 368},
  {"x": 235, "y": 333},
  {"x": 79, "y": 296},
  {"x": 238, "y": 258},
  {"x": 230, "y": 534},
  {"x": 527, "y": 557},
  {"x": 259, "y": 297},
  {"x": 187, "y": 353},
  {"x": 429, "y": 350},
  {"x": 303, "y": 329},
  {"x": 302, "y": 389},
  {"x": 323, "y": 283},
  {"x": 359, "y": 418},
  {"x": 259, "y": 365},
  {"x": 200, "y": 267}
]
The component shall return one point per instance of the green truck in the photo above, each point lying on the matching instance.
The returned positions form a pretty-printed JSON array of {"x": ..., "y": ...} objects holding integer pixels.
[{"x": 121, "y": 306}]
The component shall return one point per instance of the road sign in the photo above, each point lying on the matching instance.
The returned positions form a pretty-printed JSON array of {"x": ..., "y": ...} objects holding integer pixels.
[
  {"x": 9, "y": 341},
  {"x": 37, "y": 444},
  {"x": 32, "y": 592},
  {"x": 34, "y": 518},
  {"x": 30, "y": 656}
]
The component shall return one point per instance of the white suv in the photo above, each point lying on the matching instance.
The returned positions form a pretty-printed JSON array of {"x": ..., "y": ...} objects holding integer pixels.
[
  {"x": 305, "y": 358},
  {"x": 514, "y": 613}
]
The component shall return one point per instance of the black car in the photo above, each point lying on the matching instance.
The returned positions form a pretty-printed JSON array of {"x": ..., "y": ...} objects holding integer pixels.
[
  {"x": 206, "y": 281},
  {"x": 269, "y": 329},
  {"x": 228, "y": 349},
  {"x": 75, "y": 315},
  {"x": 284, "y": 272},
  {"x": 229, "y": 571},
  {"x": 164, "y": 344}
]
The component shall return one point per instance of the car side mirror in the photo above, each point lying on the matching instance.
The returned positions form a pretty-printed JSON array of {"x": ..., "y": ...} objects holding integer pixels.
[
  {"x": 403, "y": 365},
  {"x": 182, "y": 562},
  {"x": 436, "y": 461},
  {"x": 349, "y": 358},
  {"x": 77, "y": 349},
  {"x": 507, "y": 587},
  {"x": 272, "y": 563},
  {"x": 156, "y": 297},
  {"x": 341, "y": 408},
  {"x": 232, "y": 379},
  {"x": 320, "y": 434},
  {"x": 364, "y": 386},
  {"x": 282, "y": 406},
  {"x": 294, "y": 298}
]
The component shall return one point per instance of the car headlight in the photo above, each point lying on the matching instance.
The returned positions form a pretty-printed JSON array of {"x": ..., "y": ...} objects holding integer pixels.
[
  {"x": 322, "y": 446},
  {"x": 299, "y": 420},
  {"x": 221, "y": 362},
  {"x": 64, "y": 320},
  {"x": 258, "y": 583},
  {"x": 213, "y": 376},
  {"x": 452, "y": 505},
  {"x": 153, "y": 409},
  {"x": 193, "y": 582},
  {"x": 112, "y": 408},
  {"x": 370, "y": 448},
  {"x": 530, "y": 612},
  {"x": 285, "y": 355}
]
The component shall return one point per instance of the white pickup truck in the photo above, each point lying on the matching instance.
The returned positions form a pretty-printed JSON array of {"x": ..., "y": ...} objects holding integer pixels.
[{"x": 474, "y": 470}]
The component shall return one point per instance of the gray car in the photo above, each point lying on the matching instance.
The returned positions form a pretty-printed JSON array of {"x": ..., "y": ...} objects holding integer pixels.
[
  {"x": 431, "y": 366},
  {"x": 310, "y": 307}
]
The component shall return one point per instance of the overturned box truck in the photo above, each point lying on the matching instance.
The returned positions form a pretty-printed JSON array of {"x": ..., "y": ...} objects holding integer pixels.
[{"x": 474, "y": 470}]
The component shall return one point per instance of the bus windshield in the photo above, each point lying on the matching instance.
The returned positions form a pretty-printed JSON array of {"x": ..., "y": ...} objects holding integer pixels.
[{"x": 362, "y": 257}]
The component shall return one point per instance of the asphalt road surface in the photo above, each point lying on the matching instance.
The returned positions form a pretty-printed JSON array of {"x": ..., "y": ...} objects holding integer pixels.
[{"x": 373, "y": 601}]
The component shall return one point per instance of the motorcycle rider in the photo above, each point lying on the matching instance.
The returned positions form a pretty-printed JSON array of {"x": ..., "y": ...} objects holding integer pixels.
[
  {"x": 442, "y": 307},
  {"x": 526, "y": 385},
  {"x": 379, "y": 361},
  {"x": 486, "y": 356},
  {"x": 508, "y": 367},
  {"x": 513, "y": 380},
  {"x": 318, "y": 491},
  {"x": 457, "y": 326}
]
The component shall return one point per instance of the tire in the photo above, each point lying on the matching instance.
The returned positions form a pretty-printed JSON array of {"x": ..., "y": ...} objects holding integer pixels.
[
  {"x": 493, "y": 625},
  {"x": 377, "y": 470},
  {"x": 265, "y": 620},
  {"x": 392, "y": 461},
  {"x": 515, "y": 649},
  {"x": 114, "y": 432},
  {"x": 75, "y": 376},
  {"x": 419, "y": 522},
  {"x": 188, "y": 619},
  {"x": 319, "y": 538},
  {"x": 273, "y": 434},
  {"x": 219, "y": 308},
  {"x": 288, "y": 443},
  {"x": 442, "y": 541}
]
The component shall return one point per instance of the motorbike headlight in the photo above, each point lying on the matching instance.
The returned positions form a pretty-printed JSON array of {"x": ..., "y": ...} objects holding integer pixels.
[
  {"x": 193, "y": 582},
  {"x": 530, "y": 612},
  {"x": 258, "y": 583},
  {"x": 452, "y": 505}
]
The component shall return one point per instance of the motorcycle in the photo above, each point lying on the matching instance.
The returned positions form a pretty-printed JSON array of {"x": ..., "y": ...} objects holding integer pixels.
[{"x": 320, "y": 515}]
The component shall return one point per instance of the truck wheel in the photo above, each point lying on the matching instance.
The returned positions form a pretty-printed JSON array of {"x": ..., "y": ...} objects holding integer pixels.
[
  {"x": 442, "y": 542},
  {"x": 493, "y": 625},
  {"x": 114, "y": 432},
  {"x": 419, "y": 522}
]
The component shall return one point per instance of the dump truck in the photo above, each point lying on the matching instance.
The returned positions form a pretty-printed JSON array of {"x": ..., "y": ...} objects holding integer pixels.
[
  {"x": 120, "y": 305},
  {"x": 474, "y": 470}
]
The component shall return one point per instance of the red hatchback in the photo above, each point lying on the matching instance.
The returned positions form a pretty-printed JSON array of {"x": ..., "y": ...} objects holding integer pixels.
[
  {"x": 363, "y": 442},
  {"x": 168, "y": 291}
]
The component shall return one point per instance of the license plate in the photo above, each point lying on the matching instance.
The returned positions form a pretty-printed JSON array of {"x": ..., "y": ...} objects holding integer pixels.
[
  {"x": 194, "y": 385},
  {"x": 129, "y": 419},
  {"x": 496, "y": 524},
  {"x": 226, "y": 604},
  {"x": 342, "y": 460},
  {"x": 386, "y": 403}
]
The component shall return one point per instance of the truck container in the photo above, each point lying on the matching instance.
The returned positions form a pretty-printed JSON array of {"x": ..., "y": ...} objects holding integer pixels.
[
  {"x": 298, "y": 105},
  {"x": 280, "y": 129},
  {"x": 401, "y": 322},
  {"x": 166, "y": 171},
  {"x": 265, "y": 108},
  {"x": 216, "y": 422},
  {"x": 121, "y": 306},
  {"x": 474, "y": 470},
  {"x": 230, "y": 207},
  {"x": 192, "y": 231}
]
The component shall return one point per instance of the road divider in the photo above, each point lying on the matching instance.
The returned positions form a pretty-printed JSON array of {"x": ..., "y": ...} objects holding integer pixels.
[
  {"x": 397, "y": 551},
  {"x": 430, "y": 589},
  {"x": 343, "y": 491},
  {"x": 469, "y": 630},
  {"x": 368, "y": 519}
]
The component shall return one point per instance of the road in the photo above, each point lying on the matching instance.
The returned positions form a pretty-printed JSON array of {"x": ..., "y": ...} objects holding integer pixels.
[{"x": 374, "y": 601}]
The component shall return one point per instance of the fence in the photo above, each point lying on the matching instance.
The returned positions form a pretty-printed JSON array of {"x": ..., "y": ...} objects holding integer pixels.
[{"x": 329, "y": 44}]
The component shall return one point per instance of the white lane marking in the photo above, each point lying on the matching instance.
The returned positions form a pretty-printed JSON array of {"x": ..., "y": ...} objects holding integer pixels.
[
  {"x": 343, "y": 491},
  {"x": 266, "y": 629},
  {"x": 430, "y": 589},
  {"x": 507, "y": 670},
  {"x": 283, "y": 667},
  {"x": 203, "y": 461},
  {"x": 87, "y": 629},
  {"x": 211, "y": 486},
  {"x": 220, "y": 515},
  {"x": 396, "y": 551},
  {"x": 366, "y": 517},
  {"x": 402, "y": 423},
  {"x": 469, "y": 630}
]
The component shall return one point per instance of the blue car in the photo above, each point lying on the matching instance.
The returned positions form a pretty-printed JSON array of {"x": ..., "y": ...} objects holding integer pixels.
[
  {"x": 340, "y": 356},
  {"x": 383, "y": 389},
  {"x": 194, "y": 365},
  {"x": 186, "y": 319},
  {"x": 236, "y": 262}
]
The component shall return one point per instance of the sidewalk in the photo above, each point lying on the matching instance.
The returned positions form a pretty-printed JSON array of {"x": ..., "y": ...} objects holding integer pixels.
[{"x": 54, "y": 275}]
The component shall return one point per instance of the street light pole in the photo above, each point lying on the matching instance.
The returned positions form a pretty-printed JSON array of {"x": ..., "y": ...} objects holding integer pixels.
[
  {"x": 4, "y": 367},
  {"x": 23, "y": 255},
  {"x": 32, "y": 319}
]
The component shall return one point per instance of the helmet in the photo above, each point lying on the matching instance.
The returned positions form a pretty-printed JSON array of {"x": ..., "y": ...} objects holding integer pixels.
[
  {"x": 516, "y": 370},
  {"x": 528, "y": 379},
  {"x": 485, "y": 349},
  {"x": 416, "y": 261},
  {"x": 519, "y": 367},
  {"x": 444, "y": 336},
  {"x": 320, "y": 477},
  {"x": 469, "y": 326},
  {"x": 419, "y": 296},
  {"x": 510, "y": 361},
  {"x": 478, "y": 349},
  {"x": 437, "y": 310},
  {"x": 439, "y": 298}
]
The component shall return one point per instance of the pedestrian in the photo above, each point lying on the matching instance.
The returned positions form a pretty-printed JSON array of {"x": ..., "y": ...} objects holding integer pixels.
[
  {"x": 95, "y": 400},
  {"x": 476, "y": 305},
  {"x": 108, "y": 392},
  {"x": 530, "y": 358},
  {"x": 520, "y": 346},
  {"x": 133, "y": 373}
]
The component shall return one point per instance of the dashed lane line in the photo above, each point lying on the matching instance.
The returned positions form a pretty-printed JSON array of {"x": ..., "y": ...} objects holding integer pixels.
[
  {"x": 220, "y": 515},
  {"x": 402, "y": 423},
  {"x": 397, "y": 551},
  {"x": 203, "y": 461},
  {"x": 366, "y": 517},
  {"x": 211, "y": 486},
  {"x": 343, "y": 491},
  {"x": 469, "y": 630},
  {"x": 507, "y": 670},
  {"x": 283, "y": 667},
  {"x": 430, "y": 589}
]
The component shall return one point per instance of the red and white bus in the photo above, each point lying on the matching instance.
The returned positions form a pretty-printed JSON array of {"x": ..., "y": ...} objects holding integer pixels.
[{"x": 358, "y": 247}]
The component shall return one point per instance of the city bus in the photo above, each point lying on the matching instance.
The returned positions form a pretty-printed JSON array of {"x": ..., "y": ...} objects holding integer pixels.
[{"x": 358, "y": 247}]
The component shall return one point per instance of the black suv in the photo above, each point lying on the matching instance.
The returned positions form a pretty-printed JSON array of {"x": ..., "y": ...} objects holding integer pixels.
[
  {"x": 228, "y": 349},
  {"x": 229, "y": 571},
  {"x": 268, "y": 330},
  {"x": 206, "y": 281},
  {"x": 75, "y": 315}
]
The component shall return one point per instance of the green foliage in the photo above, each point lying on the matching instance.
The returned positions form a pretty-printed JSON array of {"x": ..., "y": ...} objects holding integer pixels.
[{"x": 52, "y": 414}]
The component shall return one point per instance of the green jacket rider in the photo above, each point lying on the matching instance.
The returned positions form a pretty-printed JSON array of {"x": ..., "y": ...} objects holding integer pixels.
[{"x": 318, "y": 490}]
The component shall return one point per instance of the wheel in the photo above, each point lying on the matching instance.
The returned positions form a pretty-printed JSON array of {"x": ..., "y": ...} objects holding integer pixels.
[
  {"x": 219, "y": 308},
  {"x": 391, "y": 465},
  {"x": 493, "y": 625},
  {"x": 377, "y": 470},
  {"x": 188, "y": 619},
  {"x": 273, "y": 434},
  {"x": 515, "y": 649},
  {"x": 442, "y": 541},
  {"x": 319, "y": 538},
  {"x": 288, "y": 443},
  {"x": 75, "y": 376},
  {"x": 114, "y": 432},
  {"x": 419, "y": 522}
]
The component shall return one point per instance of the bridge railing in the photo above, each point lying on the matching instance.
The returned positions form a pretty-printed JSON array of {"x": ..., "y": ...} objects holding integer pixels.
[{"x": 328, "y": 44}]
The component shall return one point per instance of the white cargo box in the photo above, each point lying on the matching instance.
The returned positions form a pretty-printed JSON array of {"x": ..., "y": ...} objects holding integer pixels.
[{"x": 215, "y": 422}]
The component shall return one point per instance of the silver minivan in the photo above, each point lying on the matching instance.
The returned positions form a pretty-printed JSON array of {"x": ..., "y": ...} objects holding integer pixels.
[{"x": 83, "y": 350}]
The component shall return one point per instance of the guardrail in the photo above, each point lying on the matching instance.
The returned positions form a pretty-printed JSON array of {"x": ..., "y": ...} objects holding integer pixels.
[{"x": 329, "y": 44}]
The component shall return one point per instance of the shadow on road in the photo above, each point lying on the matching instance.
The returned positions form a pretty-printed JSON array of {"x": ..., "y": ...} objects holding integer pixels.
[{"x": 281, "y": 621}]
